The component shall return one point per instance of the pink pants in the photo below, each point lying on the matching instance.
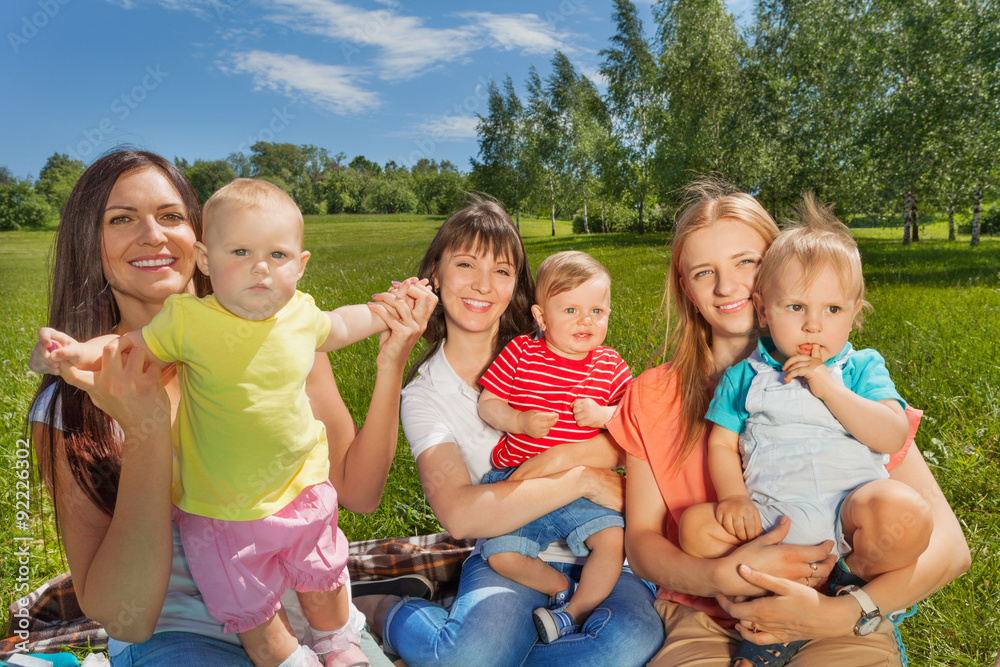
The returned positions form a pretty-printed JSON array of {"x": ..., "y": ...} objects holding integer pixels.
[{"x": 243, "y": 567}]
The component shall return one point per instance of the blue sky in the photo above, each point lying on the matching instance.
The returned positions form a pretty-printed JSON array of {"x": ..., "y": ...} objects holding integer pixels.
[{"x": 202, "y": 79}]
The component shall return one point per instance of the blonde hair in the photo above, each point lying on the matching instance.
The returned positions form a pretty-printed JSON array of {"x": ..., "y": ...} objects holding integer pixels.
[
  {"x": 689, "y": 341},
  {"x": 816, "y": 239},
  {"x": 565, "y": 271},
  {"x": 250, "y": 194}
]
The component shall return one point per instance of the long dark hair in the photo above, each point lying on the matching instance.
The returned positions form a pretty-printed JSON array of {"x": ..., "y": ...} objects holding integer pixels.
[
  {"x": 483, "y": 226},
  {"x": 82, "y": 305}
]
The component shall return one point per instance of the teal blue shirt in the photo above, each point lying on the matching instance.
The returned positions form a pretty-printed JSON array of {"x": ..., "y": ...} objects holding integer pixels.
[{"x": 864, "y": 373}]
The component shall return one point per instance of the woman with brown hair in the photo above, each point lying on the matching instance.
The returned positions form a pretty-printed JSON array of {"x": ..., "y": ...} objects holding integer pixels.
[
  {"x": 477, "y": 265},
  {"x": 126, "y": 243}
]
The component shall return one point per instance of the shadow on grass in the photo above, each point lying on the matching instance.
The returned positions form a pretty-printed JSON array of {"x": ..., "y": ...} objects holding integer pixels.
[{"x": 929, "y": 263}]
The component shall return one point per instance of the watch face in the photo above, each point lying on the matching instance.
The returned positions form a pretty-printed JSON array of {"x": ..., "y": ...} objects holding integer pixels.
[{"x": 867, "y": 624}]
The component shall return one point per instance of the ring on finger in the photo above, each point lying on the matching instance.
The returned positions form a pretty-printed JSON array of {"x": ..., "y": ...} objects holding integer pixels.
[
  {"x": 753, "y": 627},
  {"x": 813, "y": 566}
]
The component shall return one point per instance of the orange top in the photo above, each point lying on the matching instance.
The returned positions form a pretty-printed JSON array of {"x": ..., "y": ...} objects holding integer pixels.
[{"x": 647, "y": 426}]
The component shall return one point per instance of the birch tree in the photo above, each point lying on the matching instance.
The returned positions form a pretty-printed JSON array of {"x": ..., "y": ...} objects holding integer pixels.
[{"x": 630, "y": 71}]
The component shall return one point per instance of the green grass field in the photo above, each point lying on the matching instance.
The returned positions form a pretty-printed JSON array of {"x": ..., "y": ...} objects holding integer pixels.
[{"x": 936, "y": 321}]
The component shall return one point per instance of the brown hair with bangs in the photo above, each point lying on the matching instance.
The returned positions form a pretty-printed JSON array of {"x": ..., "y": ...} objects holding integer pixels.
[
  {"x": 816, "y": 239},
  {"x": 482, "y": 227}
]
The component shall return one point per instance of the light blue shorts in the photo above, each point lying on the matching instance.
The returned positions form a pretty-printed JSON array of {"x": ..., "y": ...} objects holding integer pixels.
[{"x": 574, "y": 523}]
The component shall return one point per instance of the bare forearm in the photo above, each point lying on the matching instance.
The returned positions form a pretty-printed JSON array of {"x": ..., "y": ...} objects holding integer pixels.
[
  {"x": 726, "y": 471},
  {"x": 126, "y": 582},
  {"x": 878, "y": 426},
  {"x": 362, "y": 473},
  {"x": 655, "y": 558},
  {"x": 489, "y": 510},
  {"x": 350, "y": 324},
  {"x": 496, "y": 412}
]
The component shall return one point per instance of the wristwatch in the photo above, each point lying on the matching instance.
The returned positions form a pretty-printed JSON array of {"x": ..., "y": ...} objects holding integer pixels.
[{"x": 870, "y": 615}]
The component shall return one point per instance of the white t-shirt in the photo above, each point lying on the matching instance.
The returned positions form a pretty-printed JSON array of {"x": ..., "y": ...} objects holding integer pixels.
[{"x": 438, "y": 407}]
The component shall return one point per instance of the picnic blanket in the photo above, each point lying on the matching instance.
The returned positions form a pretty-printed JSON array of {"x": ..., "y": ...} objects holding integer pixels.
[{"x": 53, "y": 617}]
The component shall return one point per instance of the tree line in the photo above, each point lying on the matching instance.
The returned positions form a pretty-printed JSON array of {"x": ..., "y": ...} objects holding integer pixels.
[
  {"x": 317, "y": 181},
  {"x": 887, "y": 107}
]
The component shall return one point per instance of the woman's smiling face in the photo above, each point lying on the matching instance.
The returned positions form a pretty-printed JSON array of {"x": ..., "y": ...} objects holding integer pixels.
[
  {"x": 475, "y": 289},
  {"x": 147, "y": 241},
  {"x": 718, "y": 267}
]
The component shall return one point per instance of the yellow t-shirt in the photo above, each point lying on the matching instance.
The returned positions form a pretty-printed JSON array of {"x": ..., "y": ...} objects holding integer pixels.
[{"x": 245, "y": 438}]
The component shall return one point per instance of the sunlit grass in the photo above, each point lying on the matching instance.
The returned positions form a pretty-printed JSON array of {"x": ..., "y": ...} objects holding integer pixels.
[{"x": 935, "y": 320}]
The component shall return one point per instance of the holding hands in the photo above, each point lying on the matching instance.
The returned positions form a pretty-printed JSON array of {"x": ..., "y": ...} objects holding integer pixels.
[{"x": 405, "y": 308}]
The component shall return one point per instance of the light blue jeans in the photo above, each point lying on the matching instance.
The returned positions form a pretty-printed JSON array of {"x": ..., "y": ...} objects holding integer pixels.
[
  {"x": 186, "y": 649},
  {"x": 491, "y": 624}
]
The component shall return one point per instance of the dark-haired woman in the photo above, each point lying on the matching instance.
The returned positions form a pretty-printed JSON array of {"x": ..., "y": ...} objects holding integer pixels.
[
  {"x": 125, "y": 243},
  {"x": 477, "y": 265}
]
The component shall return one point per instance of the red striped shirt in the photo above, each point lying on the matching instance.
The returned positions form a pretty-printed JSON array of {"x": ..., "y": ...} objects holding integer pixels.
[{"x": 530, "y": 376}]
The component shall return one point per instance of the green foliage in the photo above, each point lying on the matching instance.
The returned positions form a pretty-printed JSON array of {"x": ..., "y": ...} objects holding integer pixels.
[
  {"x": 207, "y": 176},
  {"x": 57, "y": 178},
  {"x": 23, "y": 208}
]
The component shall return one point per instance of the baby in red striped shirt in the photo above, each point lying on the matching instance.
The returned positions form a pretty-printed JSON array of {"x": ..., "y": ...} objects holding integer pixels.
[{"x": 557, "y": 389}]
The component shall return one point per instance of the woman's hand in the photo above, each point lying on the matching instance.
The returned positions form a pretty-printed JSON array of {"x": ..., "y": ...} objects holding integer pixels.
[
  {"x": 406, "y": 308},
  {"x": 794, "y": 611},
  {"x": 128, "y": 388},
  {"x": 806, "y": 564}
]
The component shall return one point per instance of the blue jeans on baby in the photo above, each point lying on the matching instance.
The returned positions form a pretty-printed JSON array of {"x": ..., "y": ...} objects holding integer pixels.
[
  {"x": 187, "y": 649},
  {"x": 490, "y": 623},
  {"x": 574, "y": 523}
]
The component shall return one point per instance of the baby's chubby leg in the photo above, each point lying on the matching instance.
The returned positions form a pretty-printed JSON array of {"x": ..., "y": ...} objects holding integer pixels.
[
  {"x": 888, "y": 524},
  {"x": 270, "y": 643},
  {"x": 326, "y": 610},
  {"x": 600, "y": 572},
  {"x": 702, "y": 535},
  {"x": 335, "y": 636},
  {"x": 534, "y": 573}
]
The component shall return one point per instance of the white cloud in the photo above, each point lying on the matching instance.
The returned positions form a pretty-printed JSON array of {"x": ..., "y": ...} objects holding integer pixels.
[
  {"x": 329, "y": 86},
  {"x": 403, "y": 46},
  {"x": 451, "y": 128},
  {"x": 594, "y": 74},
  {"x": 527, "y": 32}
]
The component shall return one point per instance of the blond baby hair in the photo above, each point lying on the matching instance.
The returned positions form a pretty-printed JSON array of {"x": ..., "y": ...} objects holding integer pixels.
[
  {"x": 565, "y": 271},
  {"x": 816, "y": 239}
]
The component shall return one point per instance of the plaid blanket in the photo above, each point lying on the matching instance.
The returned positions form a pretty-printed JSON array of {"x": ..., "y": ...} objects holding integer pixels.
[{"x": 54, "y": 618}]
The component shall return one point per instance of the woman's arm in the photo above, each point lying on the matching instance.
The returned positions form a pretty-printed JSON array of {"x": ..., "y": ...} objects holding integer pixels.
[
  {"x": 797, "y": 612},
  {"x": 120, "y": 564},
  {"x": 360, "y": 460},
  {"x": 597, "y": 452},
  {"x": 655, "y": 558},
  {"x": 488, "y": 510}
]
